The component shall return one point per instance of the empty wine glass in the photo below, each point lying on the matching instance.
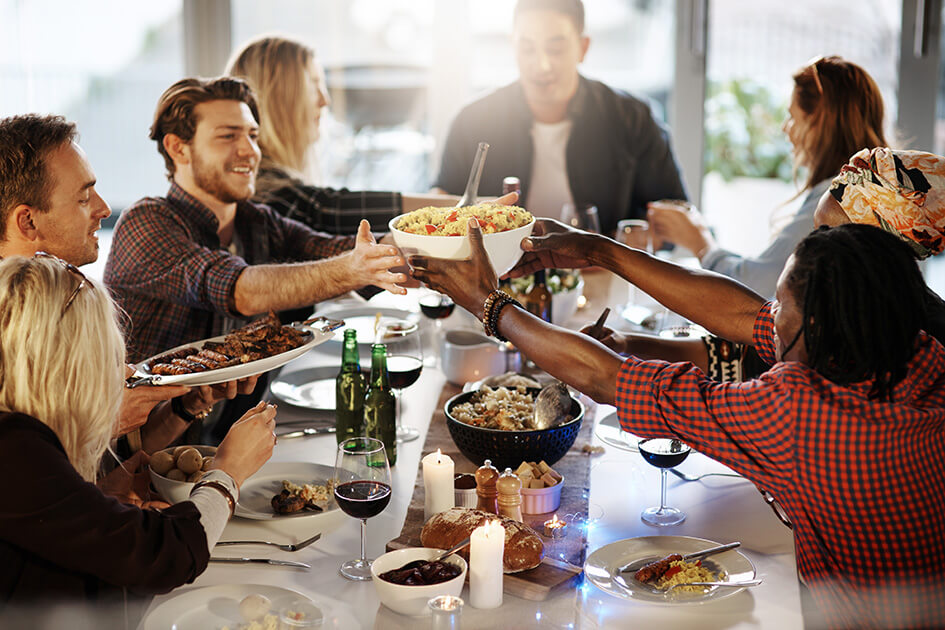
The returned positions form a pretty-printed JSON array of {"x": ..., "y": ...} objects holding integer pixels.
[
  {"x": 362, "y": 489},
  {"x": 582, "y": 216},
  {"x": 404, "y": 363},
  {"x": 663, "y": 453}
]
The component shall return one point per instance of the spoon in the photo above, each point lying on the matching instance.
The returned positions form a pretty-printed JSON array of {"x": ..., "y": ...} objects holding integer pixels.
[
  {"x": 551, "y": 405},
  {"x": 470, "y": 196},
  {"x": 450, "y": 551},
  {"x": 744, "y": 584}
]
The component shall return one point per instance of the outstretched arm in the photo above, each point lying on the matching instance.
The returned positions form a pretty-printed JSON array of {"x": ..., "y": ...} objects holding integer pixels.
[{"x": 719, "y": 304}]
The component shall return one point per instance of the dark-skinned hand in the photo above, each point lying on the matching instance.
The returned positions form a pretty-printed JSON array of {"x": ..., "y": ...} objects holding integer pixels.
[
  {"x": 468, "y": 282},
  {"x": 554, "y": 245}
]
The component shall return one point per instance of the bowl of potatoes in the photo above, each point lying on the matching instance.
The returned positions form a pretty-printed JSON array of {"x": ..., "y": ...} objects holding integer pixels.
[{"x": 174, "y": 470}]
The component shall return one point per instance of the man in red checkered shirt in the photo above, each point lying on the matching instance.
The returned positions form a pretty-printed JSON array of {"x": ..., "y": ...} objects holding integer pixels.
[{"x": 846, "y": 430}]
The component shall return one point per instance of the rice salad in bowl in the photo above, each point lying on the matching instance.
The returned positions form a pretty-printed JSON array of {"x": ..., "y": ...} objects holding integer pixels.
[
  {"x": 492, "y": 217},
  {"x": 441, "y": 232}
]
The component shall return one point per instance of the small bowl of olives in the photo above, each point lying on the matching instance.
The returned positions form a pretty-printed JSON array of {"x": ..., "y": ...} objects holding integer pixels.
[
  {"x": 174, "y": 470},
  {"x": 405, "y": 582}
]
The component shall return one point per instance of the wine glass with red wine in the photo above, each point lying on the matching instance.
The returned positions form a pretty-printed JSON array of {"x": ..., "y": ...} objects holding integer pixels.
[
  {"x": 404, "y": 363},
  {"x": 437, "y": 307},
  {"x": 362, "y": 489},
  {"x": 664, "y": 453}
]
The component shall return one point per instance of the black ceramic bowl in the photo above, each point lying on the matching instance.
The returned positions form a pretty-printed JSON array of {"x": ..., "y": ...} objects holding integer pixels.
[{"x": 508, "y": 449}]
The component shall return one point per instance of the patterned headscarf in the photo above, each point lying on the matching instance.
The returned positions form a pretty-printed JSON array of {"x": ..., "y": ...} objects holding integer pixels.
[{"x": 902, "y": 192}]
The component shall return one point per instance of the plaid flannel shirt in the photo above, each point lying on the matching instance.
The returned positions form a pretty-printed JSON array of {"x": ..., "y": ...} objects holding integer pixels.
[
  {"x": 862, "y": 481},
  {"x": 169, "y": 273},
  {"x": 326, "y": 209}
]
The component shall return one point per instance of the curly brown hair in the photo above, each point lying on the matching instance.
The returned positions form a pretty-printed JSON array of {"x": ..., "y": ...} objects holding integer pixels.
[{"x": 175, "y": 109}]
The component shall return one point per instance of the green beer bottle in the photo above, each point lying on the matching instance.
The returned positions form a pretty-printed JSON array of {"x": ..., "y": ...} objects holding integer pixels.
[
  {"x": 349, "y": 391},
  {"x": 379, "y": 405}
]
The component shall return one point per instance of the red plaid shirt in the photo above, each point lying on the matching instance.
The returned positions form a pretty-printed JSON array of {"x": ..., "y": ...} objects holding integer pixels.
[
  {"x": 168, "y": 271},
  {"x": 862, "y": 481}
]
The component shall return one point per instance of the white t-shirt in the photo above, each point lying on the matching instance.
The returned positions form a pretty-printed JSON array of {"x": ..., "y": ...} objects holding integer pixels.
[{"x": 549, "y": 188}]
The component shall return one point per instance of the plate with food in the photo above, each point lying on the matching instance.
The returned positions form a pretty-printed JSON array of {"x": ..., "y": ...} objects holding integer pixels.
[
  {"x": 645, "y": 568},
  {"x": 258, "y": 347},
  {"x": 281, "y": 490},
  {"x": 366, "y": 320},
  {"x": 242, "y": 607},
  {"x": 611, "y": 433}
]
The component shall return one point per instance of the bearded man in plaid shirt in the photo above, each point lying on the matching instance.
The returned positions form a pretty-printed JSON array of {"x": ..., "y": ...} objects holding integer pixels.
[{"x": 845, "y": 431}]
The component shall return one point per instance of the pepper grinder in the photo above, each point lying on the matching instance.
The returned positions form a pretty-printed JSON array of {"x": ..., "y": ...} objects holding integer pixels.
[
  {"x": 486, "y": 477},
  {"x": 510, "y": 495}
]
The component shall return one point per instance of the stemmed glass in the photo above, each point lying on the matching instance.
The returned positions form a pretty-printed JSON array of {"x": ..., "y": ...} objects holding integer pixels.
[
  {"x": 663, "y": 453},
  {"x": 362, "y": 489},
  {"x": 437, "y": 307},
  {"x": 581, "y": 216},
  {"x": 404, "y": 363}
]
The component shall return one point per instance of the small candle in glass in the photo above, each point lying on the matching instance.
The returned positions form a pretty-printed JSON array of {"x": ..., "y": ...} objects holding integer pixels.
[
  {"x": 447, "y": 612},
  {"x": 555, "y": 528}
]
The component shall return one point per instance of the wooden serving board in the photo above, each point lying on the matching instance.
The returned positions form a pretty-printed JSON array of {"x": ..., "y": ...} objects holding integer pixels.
[{"x": 563, "y": 563}]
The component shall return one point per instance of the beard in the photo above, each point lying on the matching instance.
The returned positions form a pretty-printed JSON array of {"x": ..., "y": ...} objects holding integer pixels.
[{"x": 213, "y": 182}]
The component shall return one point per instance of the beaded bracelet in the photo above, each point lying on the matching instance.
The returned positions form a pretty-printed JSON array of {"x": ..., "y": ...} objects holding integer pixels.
[{"x": 492, "y": 308}]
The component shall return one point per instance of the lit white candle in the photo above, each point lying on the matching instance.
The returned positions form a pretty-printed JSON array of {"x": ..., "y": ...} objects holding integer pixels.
[
  {"x": 486, "y": 548},
  {"x": 437, "y": 484}
]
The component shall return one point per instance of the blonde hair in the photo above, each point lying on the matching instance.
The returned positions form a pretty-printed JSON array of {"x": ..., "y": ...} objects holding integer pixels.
[
  {"x": 64, "y": 368},
  {"x": 277, "y": 68}
]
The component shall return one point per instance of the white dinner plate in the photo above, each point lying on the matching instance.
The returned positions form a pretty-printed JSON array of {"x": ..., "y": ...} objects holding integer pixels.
[
  {"x": 610, "y": 432},
  {"x": 604, "y": 563},
  {"x": 213, "y": 607},
  {"x": 312, "y": 388},
  {"x": 222, "y": 375},
  {"x": 257, "y": 491},
  {"x": 363, "y": 318}
]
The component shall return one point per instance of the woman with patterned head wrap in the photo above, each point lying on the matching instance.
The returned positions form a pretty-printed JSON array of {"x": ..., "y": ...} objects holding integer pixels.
[{"x": 902, "y": 192}]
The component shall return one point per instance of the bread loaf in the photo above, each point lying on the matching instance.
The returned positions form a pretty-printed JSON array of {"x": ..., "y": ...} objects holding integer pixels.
[{"x": 523, "y": 547}]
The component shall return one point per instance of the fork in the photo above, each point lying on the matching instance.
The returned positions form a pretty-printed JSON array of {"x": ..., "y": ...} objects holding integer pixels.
[
  {"x": 686, "y": 477},
  {"x": 284, "y": 547},
  {"x": 746, "y": 583}
]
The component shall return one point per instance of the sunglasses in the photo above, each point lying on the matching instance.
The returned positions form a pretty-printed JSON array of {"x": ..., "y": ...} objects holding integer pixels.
[{"x": 83, "y": 281}]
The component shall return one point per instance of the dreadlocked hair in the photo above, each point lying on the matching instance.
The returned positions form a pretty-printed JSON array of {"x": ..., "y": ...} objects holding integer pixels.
[{"x": 863, "y": 304}]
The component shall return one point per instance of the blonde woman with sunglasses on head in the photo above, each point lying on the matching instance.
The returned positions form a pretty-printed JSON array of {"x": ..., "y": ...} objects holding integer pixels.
[
  {"x": 836, "y": 109},
  {"x": 62, "y": 541}
]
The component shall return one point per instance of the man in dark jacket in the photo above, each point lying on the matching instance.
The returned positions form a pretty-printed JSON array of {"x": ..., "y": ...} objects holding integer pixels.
[{"x": 567, "y": 138}]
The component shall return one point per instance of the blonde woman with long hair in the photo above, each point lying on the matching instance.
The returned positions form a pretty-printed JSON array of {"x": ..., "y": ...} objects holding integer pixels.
[
  {"x": 289, "y": 84},
  {"x": 61, "y": 378}
]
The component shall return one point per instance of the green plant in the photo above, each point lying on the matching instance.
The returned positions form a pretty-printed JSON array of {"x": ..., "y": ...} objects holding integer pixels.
[{"x": 743, "y": 132}]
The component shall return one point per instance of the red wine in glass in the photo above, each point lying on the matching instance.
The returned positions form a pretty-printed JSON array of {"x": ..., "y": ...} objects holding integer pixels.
[
  {"x": 663, "y": 453},
  {"x": 362, "y": 499},
  {"x": 436, "y": 306},
  {"x": 403, "y": 371}
]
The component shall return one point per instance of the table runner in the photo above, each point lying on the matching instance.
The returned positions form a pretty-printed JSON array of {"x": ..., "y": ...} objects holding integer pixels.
[{"x": 565, "y": 555}]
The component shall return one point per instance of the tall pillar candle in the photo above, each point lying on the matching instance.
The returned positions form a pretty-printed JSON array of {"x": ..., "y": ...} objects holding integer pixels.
[
  {"x": 437, "y": 484},
  {"x": 486, "y": 548}
]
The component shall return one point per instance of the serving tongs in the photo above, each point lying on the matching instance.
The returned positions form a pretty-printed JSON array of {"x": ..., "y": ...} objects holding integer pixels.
[
  {"x": 471, "y": 194},
  {"x": 318, "y": 324}
]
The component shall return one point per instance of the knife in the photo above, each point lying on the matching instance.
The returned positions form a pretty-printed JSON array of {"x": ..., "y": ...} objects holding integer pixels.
[
  {"x": 280, "y": 563},
  {"x": 306, "y": 431}
]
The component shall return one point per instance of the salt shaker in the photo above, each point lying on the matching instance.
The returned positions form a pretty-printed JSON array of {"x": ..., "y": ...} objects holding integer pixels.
[
  {"x": 447, "y": 612},
  {"x": 486, "y": 477},
  {"x": 510, "y": 495}
]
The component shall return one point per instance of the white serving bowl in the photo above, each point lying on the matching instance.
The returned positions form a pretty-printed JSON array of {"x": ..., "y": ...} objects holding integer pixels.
[
  {"x": 177, "y": 491},
  {"x": 504, "y": 248},
  {"x": 412, "y": 600}
]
